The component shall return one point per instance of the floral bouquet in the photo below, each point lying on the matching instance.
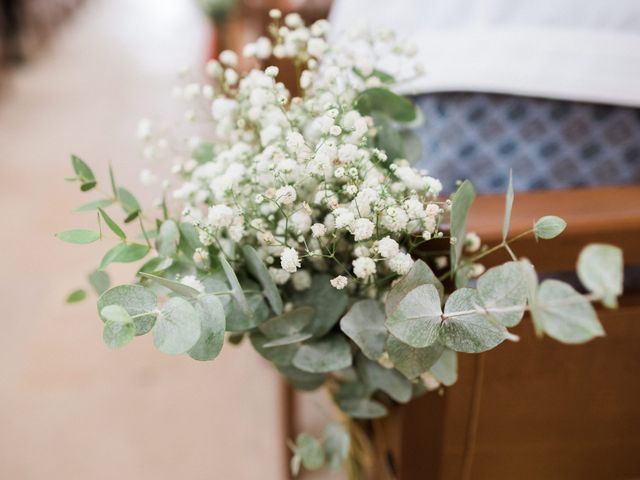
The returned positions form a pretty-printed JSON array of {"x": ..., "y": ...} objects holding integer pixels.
[{"x": 297, "y": 222}]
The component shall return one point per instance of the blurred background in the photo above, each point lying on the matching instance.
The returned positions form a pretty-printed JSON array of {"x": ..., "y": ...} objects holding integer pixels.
[{"x": 77, "y": 75}]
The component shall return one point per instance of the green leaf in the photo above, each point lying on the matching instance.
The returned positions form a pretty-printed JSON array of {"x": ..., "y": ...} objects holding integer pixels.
[
  {"x": 325, "y": 355},
  {"x": 549, "y": 227},
  {"x": 92, "y": 206},
  {"x": 504, "y": 286},
  {"x": 388, "y": 380},
  {"x": 203, "y": 153},
  {"x": 79, "y": 236},
  {"x": 128, "y": 201},
  {"x": 294, "y": 338},
  {"x": 328, "y": 303},
  {"x": 119, "y": 328},
  {"x": 179, "y": 288},
  {"x": 566, "y": 315},
  {"x": 189, "y": 239},
  {"x": 241, "y": 320},
  {"x": 280, "y": 356},
  {"x": 417, "y": 319},
  {"x": 364, "y": 324},
  {"x": 236, "y": 289},
  {"x": 84, "y": 173},
  {"x": 473, "y": 332},
  {"x": 600, "y": 269},
  {"x": 156, "y": 265},
  {"x": 446, "y": 368},
  {"x": 124, "y": 253},
  {"x": 462, "y": 200},
  {"x": 336, "y": 444},
  {"x": 380, "y": 99},
  {"x": 168, "y": 239},
  {"x": 299, "y": 379},
  {"x": 112, "y": 179},
  {"x": 412, "y": 362},
  {"x": 420, "y": 274},
  {"x": 412, "y": 146},
  {"x": 507, "y": 207},
  {"x": 388, "y": 138},
  {"x": 177, "y": 327},
  {"x": 138, "y": 301},
  {"x": 310, "y": 451},
  {"x": 259, "y": 271},
  {"x": 76, "y": 296},
  {"x": 289, "y": 323},
  {"x": 113, "y": 226},
  {"x": 100, "y": 281},
  {"x": 383, "y": 76},
  {"x": 212, "y": 326},
  {"x": 361, "y": 407}
]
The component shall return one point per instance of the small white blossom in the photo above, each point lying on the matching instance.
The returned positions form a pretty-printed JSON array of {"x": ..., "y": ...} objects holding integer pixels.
[
  {"x": 388, "y": 247},
  {"x": 289, "y": 260},
  {"x": 363, "y": 229},
  {"x": 201, "y": 258},
  {"x": 472, "y": 242},
  {"x": 364, "y": 267},
  {"x": 193, "y": 282},
  {"x": 339, "y": 282},
  {"x": 286, "y": 195},
  {"x": 220, "y": 216},
  {"x": 228, "y": 58},
  {"x": 318, "y": 230},
  {"x": 401, "y": 263}
]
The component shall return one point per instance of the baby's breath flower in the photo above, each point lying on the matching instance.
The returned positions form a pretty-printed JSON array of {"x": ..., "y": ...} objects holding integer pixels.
[
  {"x": 193, "y": 282},
  {"x": 289, "y": 260},
  {"x": 388, "y": 247},
  {"x": 401, "y": 263},
  {"x": 339, "y": 282},
  {"x": 318, "y": 230},
  {"x": 472, "y": 242},
  {"x": 364, "y": 267},
  {"x": 286, "y": 195}
]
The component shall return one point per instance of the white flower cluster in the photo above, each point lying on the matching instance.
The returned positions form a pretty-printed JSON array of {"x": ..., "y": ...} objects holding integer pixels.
[{"x": 297, "y": 177}]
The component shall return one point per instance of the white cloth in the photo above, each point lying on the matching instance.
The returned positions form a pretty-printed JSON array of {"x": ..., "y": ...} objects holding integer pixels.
[{"x": 582, "y": 50}]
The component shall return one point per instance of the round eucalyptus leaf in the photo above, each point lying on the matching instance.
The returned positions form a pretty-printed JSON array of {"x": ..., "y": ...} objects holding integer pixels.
[
  {"x": 549, "y": 227},
  {"x": 388, "y": 380},
  {"x": 289, "y": 323},
  {"x": 420, "y": 274},
  {"x": 600, "y": 269},
  {"x": 177, "y": 327},
  {"x": 336, "y": 444},
  {"x": 364, "y": 324},
  {"x": 417, "y": 319},
  {"x": 310, "y": 450},
  {"x": 504, "y": 286},
  {"x": 328, "y": 303},
  {"x": 324, "y": 355},
  {"x": 118, "y": 329},
  {"x": 383, "y": 100},
  {"x": 281, "y": 356},
  {"x": 565, "y": 315},
  {"x": 259, "y": 271},
  {"x": 446, "y": 368},
  {"x": 364, "y": 408},
  {"x": 299, "y": 379},
  {"x": 168, "y": 239},
  {"x": 100, "y": 281},
  {"x": 138, "y": 301},
  {"x": 212, "y": 327},
  {"x": 241, "y": 320},
  {"x": 473, "y": 332},
  {"x": 412, "y": 362}
]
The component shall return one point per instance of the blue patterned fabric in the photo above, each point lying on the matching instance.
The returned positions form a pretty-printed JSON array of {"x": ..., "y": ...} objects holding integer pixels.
[{"x": 549, "y": 144}]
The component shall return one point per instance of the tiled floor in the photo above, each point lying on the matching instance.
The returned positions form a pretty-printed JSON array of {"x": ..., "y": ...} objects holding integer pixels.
[{"x": 70, "y": 408}]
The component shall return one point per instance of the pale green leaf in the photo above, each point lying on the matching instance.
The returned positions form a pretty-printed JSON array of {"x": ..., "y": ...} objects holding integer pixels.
[
  {"x": 119, "y": 328},
  {"x": 92, "y": 206},
  {"x": 259, "y": 271},
  {"x": 336, "y": 444},
  {"x": 364, "y": 324},
  {"x": 565, "y": 315},
  {"x": 310, "y": 451},
  {"x": 417, "y": 319},
  {"x": 212, "y": 326},
  {"x": 462, "y": 200},
  {"x": 380, "y": 99},
  {"x": 388, "y": 380},
  {"x": 177, "y": 327},
  {"x": 289, "y": 340},
  {"x": 474, "y": 332},
  {"x": 79, "y": 236},
  {"x": 299, "y": 379},
  {"x": 113, "y": 226},
  {"x": 446, "y": 368},
  {"x": 412, "y": 362},
  {"x": 124, "y": 253},
  {"x": 100, "y": 281},
  {"x": 549, "y": 227},
  {"x": 168, "y": 239},
  {"x": 362, "y": 407},
  {"x": 420, "y": 274},
  {"x": 83, "y": 173},
  {"x": 281, "y": 356},
  {"x": 236, "y": 289},
  {"x": 76, "y": 296},
  {"x": 600, "y": 269},
  {"x": 138, "y": 301},
  {"x": 326, "y": 355},
  {"x": 289, "y": 323},
  {"x": 504, "y": 286},
  {"x": 177, "y": 287},
  {"x": 156, "y": 265},
  {"x": 129, "y": 203},
  {"x": 328, "y": 303},
  {"x": 507, "y": 207}
]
